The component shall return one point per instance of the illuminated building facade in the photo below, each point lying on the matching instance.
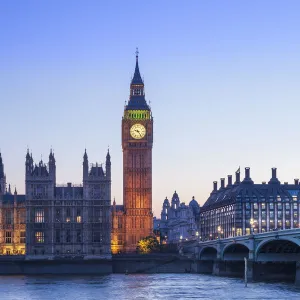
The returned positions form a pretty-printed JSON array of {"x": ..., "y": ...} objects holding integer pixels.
[
  {"x": 137, "y": 141},
  {"x": 244, "y": 207},
  {"x": 178, "y": 220},
  {"x": 68, "y": 220},
  {"x": 118, "y": 228},
  {"x": 12, "y": 219}
]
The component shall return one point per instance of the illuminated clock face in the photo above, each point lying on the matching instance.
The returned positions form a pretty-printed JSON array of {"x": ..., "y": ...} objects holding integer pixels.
[{"x": 137, "y": 131}]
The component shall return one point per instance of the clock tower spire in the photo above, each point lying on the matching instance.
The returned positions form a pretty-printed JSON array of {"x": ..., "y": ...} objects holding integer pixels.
[{"x": 137, "y": 140}]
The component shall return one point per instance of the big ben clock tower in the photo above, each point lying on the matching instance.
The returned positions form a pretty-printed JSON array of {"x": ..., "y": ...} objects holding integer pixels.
[{"x": 137, "y": 141}]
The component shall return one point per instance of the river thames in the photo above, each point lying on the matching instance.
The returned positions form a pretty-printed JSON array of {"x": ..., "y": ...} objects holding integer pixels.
[{"x": 152, "y": 286}]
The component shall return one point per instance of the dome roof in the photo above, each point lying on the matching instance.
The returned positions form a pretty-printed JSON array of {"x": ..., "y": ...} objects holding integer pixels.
[
  {"x": 175, "y": 196},
  {"x": 166, "y": 201},
  {"x": 193, "y": 203},
  {"x": 194, "y": 206}
]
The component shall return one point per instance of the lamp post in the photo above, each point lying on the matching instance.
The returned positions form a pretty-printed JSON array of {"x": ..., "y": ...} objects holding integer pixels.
[
  {"x": 197, "y": 235},
  {"x": 219, "y": 231},
  {"x": 233, "y": 231}
]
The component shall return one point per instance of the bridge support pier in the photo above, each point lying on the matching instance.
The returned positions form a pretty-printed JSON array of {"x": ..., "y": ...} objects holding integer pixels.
[
  {"x": 233, "y": 269},
  {"x": 216, "y": 267},
  {"x": 250, "y": 271},
  {"x": 205, "y": 266},
  {"x": 297, "y": 274}
]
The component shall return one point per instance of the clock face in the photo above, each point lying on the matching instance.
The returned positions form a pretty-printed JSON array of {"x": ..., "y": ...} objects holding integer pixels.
[{"x": 137, "y": 131}]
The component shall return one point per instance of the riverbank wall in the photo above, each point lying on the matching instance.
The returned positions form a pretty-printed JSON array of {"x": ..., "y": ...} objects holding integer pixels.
[
  {"x": 126, "y": 263},
  {"x": 147, "y": 264},
  {"x": 153, "y": 263},
  {"x": 55, "y": 267}
]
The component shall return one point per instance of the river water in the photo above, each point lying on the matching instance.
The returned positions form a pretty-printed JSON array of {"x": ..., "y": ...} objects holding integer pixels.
[{"x": 153, "y": 286}]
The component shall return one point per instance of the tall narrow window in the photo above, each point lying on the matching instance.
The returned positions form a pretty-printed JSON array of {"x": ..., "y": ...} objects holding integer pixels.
[
  {"x": 39, "y": 237},
  {"x": 96, "y": 237},
  {"x": 78, "y": 216},
  {"x": 98, "y": 215},
  {"x": 68, "y": 236},
  {"x": 78, "y": 239},
  {"x": 57, "y": 236},
  {"x": 23, "y": 216},
  {"x": 39, "y": 215},
  {"x": 23, "y": 237},
  {"x": 8, "y": 237},
  {"x": 8, "y": 216},
  {"x": 57, "y": 215},
  {"x": 68, "y": 215}
]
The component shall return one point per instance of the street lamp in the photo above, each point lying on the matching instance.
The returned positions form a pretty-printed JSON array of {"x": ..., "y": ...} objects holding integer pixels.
[
  {"x": 219, "y": 231},
  {"x": 197, "y": 235},
  {"x": 233, "y": 231}
]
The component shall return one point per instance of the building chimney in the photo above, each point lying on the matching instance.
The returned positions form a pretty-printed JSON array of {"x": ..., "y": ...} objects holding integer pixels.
[
  {"x": 247, "y": 173},
  {"x": 237, "y": 177},
  {"x": 296, "y": 181},
  {"x": 229, "y": 180},
  {"x": 215, "y": 186},
  {"x": 222, "y": 183},
  {"x": 274, "y": 173}
]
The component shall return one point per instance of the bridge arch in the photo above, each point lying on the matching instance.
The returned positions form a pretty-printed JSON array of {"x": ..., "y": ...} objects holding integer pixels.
[
  {"x": 235, "y": 251},
  {"x": 208, "y": 253},
  {"x": 278, "y": 249}
]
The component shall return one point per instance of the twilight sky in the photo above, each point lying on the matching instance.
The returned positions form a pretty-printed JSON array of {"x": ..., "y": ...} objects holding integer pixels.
[{"x": 222, "y": 77}]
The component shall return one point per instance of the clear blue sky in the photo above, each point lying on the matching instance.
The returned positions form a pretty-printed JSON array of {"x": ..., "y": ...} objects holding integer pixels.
[{"x": 222, "y": 76}]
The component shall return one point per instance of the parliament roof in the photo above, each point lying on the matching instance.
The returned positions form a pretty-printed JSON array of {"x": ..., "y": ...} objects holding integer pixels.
[{"x": 9, "y": 198}]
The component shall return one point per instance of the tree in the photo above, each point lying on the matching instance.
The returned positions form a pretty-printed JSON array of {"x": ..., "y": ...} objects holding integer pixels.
[{"x": 147, "y": 245}]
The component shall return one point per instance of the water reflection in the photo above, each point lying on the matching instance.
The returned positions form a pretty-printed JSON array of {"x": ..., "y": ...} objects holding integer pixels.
[{"x": 152, "y": 286}]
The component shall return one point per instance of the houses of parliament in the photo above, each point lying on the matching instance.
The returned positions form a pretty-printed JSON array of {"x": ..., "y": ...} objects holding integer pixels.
[{"x": 54, "y": 221}]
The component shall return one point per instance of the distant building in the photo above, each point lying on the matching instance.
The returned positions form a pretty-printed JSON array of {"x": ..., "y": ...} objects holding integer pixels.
[
  {"x": 178, "y": 220},
  {"x": 156, "y": 224},
  {"x": 12, "y": 218},
  {"x": 243, "y": 207},
  {"x": 68, "y": 220}
]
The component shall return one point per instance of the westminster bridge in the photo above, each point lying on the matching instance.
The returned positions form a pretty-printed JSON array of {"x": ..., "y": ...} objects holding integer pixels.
[{"x": 273, "y": 255}]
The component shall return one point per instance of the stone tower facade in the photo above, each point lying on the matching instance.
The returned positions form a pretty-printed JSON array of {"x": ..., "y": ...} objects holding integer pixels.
[
  {"x": 137, "y": 141},
  {"x": 68, "y": 220}
]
